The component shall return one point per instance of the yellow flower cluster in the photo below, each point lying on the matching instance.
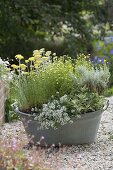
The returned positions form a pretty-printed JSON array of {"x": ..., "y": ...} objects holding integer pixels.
[
  {"x": 39, "y": 57},
  {"x": 14, "y": 66},
  {"x": 48, "y": 53},
  {"x": 37, "y": 54},
  {"x": 19, "y": 56},
  {"x": 84, "y": 60},
  {"x": 23, "y": 66},
  {"x": 31, "y": 59},
  {"x": 26, "y": 61}
]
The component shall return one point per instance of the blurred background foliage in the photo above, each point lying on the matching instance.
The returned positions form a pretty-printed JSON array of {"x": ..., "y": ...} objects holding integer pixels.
[{"x": 65, "y": 27}]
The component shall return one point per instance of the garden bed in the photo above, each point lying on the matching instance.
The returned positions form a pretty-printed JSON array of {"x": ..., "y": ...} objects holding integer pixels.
[{"x": 98, "y": 155}]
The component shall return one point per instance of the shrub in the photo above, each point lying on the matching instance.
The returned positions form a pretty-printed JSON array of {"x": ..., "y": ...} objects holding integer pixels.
[{"x": 109, "y": 92}]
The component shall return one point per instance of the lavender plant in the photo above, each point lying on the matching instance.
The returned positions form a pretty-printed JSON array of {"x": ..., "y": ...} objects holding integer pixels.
[{"x": 103, "y": 53}]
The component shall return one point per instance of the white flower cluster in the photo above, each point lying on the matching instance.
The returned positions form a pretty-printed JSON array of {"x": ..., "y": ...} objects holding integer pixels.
[
  {"x": 5, "y": 63},
  {"x": 63, "y": 99},
  {"x": 3, "y": 69},
  {"x": 53, "y": 114}
]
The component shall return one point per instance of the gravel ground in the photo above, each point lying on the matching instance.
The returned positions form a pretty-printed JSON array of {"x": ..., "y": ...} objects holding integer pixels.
[{"x": 96, "y": 156}]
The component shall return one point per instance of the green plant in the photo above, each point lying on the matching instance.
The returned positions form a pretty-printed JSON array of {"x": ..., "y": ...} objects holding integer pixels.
[
  {"x": 10, "y": 115},
  {"x": 109, "y": 92},
  {"x": 41, "y": 85},
  {"x": 43, "y": 80},
  {"x": 94, "y": 78},
  {"x": 111, "y": 137},
  {"x": 103, "y": 53}
]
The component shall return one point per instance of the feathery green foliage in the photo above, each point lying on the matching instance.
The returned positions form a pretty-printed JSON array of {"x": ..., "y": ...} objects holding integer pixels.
[{"x": 64, "y": 76}]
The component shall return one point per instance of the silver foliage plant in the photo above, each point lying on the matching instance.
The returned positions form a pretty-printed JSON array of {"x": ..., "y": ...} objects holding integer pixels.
[{"x": 95, "y": 79}]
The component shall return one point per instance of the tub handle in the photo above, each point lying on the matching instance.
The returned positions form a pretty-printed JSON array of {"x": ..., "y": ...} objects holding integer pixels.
[{"x": 106, "y": 106}]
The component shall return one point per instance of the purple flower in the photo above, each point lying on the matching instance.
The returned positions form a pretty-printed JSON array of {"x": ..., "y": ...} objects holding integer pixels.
[
  {"x": 99, "y": 48},
  {"x": 95, "y": 60},
  {"x": 111, "y": 37},
  {"x": 107, "y": 40},
  {"x": 96, "y": 57},
  {"x": 111, "y": 52},
  {"x": 103, "y": 60},
  {"x": 99, "y": 60}
]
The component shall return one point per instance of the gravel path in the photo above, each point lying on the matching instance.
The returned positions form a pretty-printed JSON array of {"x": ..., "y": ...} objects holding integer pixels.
[{"x": 96, "y": 156}]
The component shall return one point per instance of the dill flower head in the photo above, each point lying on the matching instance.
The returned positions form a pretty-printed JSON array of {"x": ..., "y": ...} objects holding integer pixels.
[
  {"x": 37, "y": 63},
  {"x": 31, "y": 59},
  {"x": 23, "y": 66},
  {"x": 37, "y": 56},
  {"x": 14, "y": 66},
  {"x": 48, "y": 53},
  {"x": 19, "y": 56},
  {"x": 26, "y": 61},
  {"x": 44, "y": 58}
]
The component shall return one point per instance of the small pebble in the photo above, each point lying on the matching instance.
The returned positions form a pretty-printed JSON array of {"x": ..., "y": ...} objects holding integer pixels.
[{"x": 96, "y": 156}]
